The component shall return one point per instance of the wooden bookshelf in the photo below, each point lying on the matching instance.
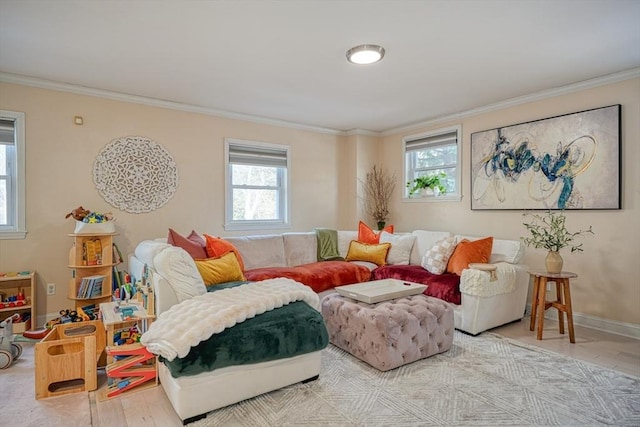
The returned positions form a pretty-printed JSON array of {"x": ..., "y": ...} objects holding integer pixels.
[{"x": 91, "y": 255}]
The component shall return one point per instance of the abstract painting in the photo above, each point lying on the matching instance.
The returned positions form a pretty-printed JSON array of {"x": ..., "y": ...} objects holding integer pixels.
[{"x": 564, "y": 162}]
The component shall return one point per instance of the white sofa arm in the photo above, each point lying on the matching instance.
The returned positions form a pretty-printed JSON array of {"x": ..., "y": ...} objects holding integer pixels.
[
  {"x": 479, "y": 313},
  {"x": 484, "y": 283}
]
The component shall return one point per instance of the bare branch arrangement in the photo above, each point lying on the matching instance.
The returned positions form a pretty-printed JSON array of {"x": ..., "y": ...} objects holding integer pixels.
[{"x": 378, "y": 188}]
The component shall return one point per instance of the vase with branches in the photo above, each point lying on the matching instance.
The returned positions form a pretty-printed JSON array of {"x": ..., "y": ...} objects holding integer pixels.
[
  {"x": 378, "y": 187},
  {"x": 549, "y": 231}
]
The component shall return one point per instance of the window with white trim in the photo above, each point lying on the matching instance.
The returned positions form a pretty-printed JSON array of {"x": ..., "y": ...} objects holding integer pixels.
[
  {"x": 257, "y": 185},
  {"x": 12, "y": 175},
  {"x": 432, "y": 153}
]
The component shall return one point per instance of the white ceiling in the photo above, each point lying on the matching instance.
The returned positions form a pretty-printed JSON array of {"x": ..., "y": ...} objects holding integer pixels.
[{"x": 285, "y": 60}]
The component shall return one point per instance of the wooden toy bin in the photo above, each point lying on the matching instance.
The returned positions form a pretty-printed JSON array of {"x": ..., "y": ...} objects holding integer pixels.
[{"x": 66, "y": 359}]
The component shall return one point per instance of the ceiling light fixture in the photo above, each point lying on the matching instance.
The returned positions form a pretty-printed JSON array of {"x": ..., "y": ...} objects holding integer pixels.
[{"x": 365, "y": 54}]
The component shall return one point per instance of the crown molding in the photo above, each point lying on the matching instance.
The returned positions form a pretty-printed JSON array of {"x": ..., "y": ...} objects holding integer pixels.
[
  {"x": 513, "y": 102},
  {"x": 154, "y": 102},
  {"x": 361, "y": 132}
]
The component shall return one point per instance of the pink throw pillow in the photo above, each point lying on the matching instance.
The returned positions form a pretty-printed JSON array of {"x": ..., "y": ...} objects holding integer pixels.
[{"x": 194, "y": 244}]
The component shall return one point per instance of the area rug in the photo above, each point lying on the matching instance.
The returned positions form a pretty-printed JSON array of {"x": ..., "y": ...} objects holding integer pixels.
[{"x": 486, "y": 380}]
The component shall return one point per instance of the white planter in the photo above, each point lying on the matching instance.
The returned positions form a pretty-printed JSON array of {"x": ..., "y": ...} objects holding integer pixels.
[
  {"x": 106, "y": 227},
  {"x": 430, "y": 192}
]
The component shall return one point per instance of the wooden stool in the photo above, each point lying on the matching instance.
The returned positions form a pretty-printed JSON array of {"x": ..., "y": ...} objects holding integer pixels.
[
  {"x": 562, "y": 302},
  {"x": 66, "y": 359}
]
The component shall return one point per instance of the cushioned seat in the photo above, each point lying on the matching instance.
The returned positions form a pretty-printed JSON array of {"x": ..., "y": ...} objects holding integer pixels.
[
  {"x": 445, "y": 286},
  {"x": 391, "y": 333},
  {"x": 319, "y": 276}
]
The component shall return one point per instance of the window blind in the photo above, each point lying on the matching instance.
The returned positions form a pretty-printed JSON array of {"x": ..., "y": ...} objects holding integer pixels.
[
  {"x": 431, "y": 141},
  {"x": 7, "y": 132},
  {"x": 253, "y": 155}
]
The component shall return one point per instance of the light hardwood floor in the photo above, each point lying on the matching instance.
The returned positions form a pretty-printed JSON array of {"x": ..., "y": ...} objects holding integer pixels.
[
  {"x": 152, "y": 408},
  {"x": 601, "y": 348}
]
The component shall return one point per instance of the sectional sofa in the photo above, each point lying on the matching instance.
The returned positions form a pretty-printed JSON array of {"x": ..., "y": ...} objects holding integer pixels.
[
  {"x": 180, "y": 295},
  {"x": 480, "y": 301}
]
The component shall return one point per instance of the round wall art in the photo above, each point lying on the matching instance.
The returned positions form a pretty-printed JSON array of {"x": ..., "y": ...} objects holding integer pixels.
[{"x": 135, "y": 174}]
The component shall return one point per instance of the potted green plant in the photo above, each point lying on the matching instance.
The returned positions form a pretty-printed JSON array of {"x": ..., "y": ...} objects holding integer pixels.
[
  {"x": 549, "y": 231},
  {"x": 432, "y": 182}
]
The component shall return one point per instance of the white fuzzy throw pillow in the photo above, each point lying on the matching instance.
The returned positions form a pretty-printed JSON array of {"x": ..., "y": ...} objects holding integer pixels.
[
  {"x": 180, "y": 270},
  {"x": 401, "y": 245},
  {"x": 436, "y": 259}
]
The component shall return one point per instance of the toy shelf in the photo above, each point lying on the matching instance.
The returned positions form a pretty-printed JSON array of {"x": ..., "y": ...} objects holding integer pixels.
[
  {"x": 91, "y": 257},
  {"x": 12, "y": 285}
]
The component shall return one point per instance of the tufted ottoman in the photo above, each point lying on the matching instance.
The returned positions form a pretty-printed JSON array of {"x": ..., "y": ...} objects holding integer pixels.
[{"x": 391, "y": 333}]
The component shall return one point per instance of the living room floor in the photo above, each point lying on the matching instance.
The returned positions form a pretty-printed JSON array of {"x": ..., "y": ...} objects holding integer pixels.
[
  {"x": 597, "y": 347},
  {"x": 594, "y": 346},
  {"x": 153, "y": 408}
]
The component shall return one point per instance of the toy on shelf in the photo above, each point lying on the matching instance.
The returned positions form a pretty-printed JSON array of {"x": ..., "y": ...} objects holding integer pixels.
[
  {"x": 126, "y": 336},
  {"x": 89, "y": 222},
  {"x": 9, "y": 351},
  {"x": 10, "y": 301},
  {"x": 81, "y": 314},
  {"x": 85, "y": 215}
]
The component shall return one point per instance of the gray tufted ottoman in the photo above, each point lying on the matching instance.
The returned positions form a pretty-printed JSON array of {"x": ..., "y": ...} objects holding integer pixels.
[{"x": 390, "y": 333}]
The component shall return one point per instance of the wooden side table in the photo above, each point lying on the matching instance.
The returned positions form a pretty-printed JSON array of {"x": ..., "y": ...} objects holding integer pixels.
[{"x": 562, "y": 302}]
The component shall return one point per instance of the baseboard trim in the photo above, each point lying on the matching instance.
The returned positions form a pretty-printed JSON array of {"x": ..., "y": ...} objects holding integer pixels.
[{"x": 630, "y": 330}]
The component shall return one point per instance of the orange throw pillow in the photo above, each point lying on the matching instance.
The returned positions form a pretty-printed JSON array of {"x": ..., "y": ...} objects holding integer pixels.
[
  {"x": 467, "y": 252},
  {"x": 217, "y": 248},
  {"x": 367, "y": 235}
]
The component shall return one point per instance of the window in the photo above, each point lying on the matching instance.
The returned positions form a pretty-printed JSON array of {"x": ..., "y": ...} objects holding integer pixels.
[
  {"x": 12, "y": 175},
  {"x": 256, "y": 185},
  {"x": 432, "y": 153}
]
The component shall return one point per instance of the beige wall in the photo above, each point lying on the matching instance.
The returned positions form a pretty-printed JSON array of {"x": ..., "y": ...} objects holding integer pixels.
[
  {"x": 59, "y": 165},
  {"x": 608, "y": 285},
  {"x": 325, "y": 170}
]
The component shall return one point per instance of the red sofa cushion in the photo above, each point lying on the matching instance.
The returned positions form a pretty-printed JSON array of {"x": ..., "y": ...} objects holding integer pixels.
[
  {"x": 319, "y": 276},
  {"x": 443, "y": 286}
]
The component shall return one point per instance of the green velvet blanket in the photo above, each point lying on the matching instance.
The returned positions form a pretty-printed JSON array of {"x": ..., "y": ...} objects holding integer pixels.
[
  {"x": 288, "y": 331},
  {"x": 328, "y": 245}
]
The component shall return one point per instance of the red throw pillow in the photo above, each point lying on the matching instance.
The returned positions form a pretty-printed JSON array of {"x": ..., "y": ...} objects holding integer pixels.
[
  {"x": 467, "y": 252},
  {"x": 194, "y": 244},
  {"x": 367, "y": 235},
  {"x": 217, "y": 247}
]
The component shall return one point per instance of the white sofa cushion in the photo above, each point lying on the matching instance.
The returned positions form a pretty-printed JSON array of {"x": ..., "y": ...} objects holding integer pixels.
[
  {"x": 510, "y": 251},
  {"x": 344, "y": 240},
  {"x": 425, "y": 240},
  {"x": 180, "y": 270},
  {"x": 400, "y": 250},
  {"x": 260, "y": 251},
  {"x": 300, "y": 248}
]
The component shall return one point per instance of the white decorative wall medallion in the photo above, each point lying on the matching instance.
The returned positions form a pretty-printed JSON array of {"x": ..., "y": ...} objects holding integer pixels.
[{"x": 135, "y": 174}]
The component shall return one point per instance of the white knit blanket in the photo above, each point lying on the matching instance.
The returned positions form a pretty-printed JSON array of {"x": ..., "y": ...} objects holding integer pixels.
[
  {"x": 194, "y": 320},
  {"x": 479, "y": 283}
]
